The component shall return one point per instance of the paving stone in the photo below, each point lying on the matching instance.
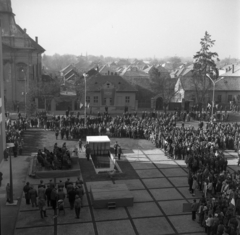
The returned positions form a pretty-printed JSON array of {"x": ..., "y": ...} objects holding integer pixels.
[
  {"x": 145, "y": 209},
  {"x": 69, "y": 217},
  {"x": 166, "y": 164},
  {"x": 131, "y": 184},
  {"x": 173, "y": 207},
  {"x": 89, "y": 184},
  {"x": 157, "y": 157},
  {"x": 138, "y": 151},
  {"x": 105, "y": 214},
  {"x": 36, "y": 230},
  {"x": 233, "y": 163},
  {"x": 165, "y": 194},
  {"x": 115, "y": 227},
  {"x": 141, "y": 196},
  {"x": 153, "y": 226},
  {"x": 181, "y": 163},
  {"x": 153, "y": 151},
  {"x": 157, "y": 183},
  {"x": 151, "y": 173},
  {"x": 185, "y": 224},
  {"x": 135, "y": 155},
  {"x": 33, "y": 218},
  {"x": 137, "y": 159},
  {"x": 179, "y": 181},
  {"x": 174, "y": 172},
  {"x": 142, "y": 165},
  {"x": 73, "y": 229},
  {"x": 195, "y": 233},
  {"x": 185, "y": 192},
  {"x": 76, "y": 229}
]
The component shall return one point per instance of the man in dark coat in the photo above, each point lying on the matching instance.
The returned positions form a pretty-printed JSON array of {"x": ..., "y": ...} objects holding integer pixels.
[
  {"x": 26, "y": 189},
  {"x": 48, "y": 194},
  {"x": 1, "y": 174},
  {"x": 71, "y": 198}
]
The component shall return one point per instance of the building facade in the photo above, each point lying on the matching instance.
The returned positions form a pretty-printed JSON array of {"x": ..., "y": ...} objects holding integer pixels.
[
  {"x": 21, "y": 59},
  {"x": 227, "y": 89},
  {"x": 110, "y": 93}
]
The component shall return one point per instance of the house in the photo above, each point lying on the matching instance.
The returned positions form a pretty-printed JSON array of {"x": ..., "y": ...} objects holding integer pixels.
[
  {"x": 226, "y": 89},
  {"x": 110, "y": 92},
  {"x": 21, "y": 59}
]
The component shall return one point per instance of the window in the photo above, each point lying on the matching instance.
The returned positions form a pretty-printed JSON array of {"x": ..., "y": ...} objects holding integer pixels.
[
  {"x": 111, "y": 101},
  {"x": 95, "y": 99},
  {"x": 22, "y": 71},
  {"x": 219, "y": 98},
  {"x": 229, "y": 98},
  {"x": 104, "y": 101},
  {"x": 88, "y": 99},
  {"x": 127, "y": 99}
]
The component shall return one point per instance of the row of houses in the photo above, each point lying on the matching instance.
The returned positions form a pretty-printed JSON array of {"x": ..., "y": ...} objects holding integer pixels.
[{"x": 118, "y": 90}]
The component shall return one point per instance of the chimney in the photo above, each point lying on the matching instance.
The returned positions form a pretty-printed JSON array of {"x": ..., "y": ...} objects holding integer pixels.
[
  {"x": 36, "y": 39},
  {"x": 25, "y": 30},
  {"x": 232, "y": 68}
]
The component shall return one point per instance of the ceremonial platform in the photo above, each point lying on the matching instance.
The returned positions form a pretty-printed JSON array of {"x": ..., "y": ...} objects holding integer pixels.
[{"x": 105, "y": 194}]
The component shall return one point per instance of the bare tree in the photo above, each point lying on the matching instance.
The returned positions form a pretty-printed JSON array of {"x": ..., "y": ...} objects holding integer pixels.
[{"x": 163, "y": 85}]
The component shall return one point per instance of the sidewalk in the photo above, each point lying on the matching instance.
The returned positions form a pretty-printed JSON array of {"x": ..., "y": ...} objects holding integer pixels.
[{"x": 9, "y": 213}]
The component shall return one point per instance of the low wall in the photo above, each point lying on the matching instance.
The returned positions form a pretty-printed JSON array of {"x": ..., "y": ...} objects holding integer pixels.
[{"x": 74, "y": 171}]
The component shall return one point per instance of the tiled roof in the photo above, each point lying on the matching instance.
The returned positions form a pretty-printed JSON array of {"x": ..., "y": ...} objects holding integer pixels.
[
  {"x": 66, "y": 69},
  {"x": 147, "y": 70},
  {"x": 131, "y": 71},
  {"x": 105, "y": 69},
  {"x": 231, "y": 74},
  {"x": 96, "y": 82},
  {"x": 229, "y": 84}
]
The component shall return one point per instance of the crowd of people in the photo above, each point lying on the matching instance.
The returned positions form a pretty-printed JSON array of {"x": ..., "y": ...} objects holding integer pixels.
[
  {"x": 14, "y": 134},
  {"x": 202, "y": 148},
  {"x": 58, "y": 159},
  {"x": 55, "y": 195}
]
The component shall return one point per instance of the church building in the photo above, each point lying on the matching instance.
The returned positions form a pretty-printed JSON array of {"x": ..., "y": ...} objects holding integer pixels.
[{"x": 21, "y": 59}]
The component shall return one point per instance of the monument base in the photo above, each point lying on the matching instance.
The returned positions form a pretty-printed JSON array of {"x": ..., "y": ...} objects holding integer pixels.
[
  {"x": 37, "y": 171},
  {"x": 103, "y": 195}
]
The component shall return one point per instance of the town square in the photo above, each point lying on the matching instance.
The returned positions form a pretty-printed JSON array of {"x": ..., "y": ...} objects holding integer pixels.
[{"x": 109, "y": 139}]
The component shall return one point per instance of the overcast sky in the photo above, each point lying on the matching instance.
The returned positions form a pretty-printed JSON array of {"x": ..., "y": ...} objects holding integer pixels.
[{"x": 131, "y": 28}]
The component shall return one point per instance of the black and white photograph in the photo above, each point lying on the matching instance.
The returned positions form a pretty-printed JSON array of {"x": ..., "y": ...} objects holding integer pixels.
[{"x": 120, "y": 117}]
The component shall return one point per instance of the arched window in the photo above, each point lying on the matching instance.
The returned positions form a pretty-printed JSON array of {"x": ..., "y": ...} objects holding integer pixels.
[{"x": 21, "y": 71}]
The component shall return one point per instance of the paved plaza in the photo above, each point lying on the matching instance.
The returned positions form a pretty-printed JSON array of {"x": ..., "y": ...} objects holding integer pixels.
[{"x": 159, "y": 186}]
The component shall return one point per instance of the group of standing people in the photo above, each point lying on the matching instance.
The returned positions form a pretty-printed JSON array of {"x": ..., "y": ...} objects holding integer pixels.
[{"x": 55, "y": 195}]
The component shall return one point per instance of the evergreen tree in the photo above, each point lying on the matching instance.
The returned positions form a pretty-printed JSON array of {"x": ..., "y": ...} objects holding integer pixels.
[{"x": 204, "y": 64}]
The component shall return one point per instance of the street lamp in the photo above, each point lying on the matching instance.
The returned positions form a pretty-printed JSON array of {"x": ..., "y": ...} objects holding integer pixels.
[
  {"x": 85, "y": 109},
  {"x": 214, "y": 86},
  {"x": 9, "y": 146}
]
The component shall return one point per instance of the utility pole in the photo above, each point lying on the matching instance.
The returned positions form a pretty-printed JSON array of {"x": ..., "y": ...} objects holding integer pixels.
[
  {"x": 85, "y": 100},
  {"x": 55, "y": 213},
  {"x": 2, "y": 110}
]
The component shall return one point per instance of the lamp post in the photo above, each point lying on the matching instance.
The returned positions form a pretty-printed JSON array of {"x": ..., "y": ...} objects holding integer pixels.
[
  {"x": 9, "y": 147},
  {"x": 85, "y": 99},
  {"x": 214, "y": 86}
]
